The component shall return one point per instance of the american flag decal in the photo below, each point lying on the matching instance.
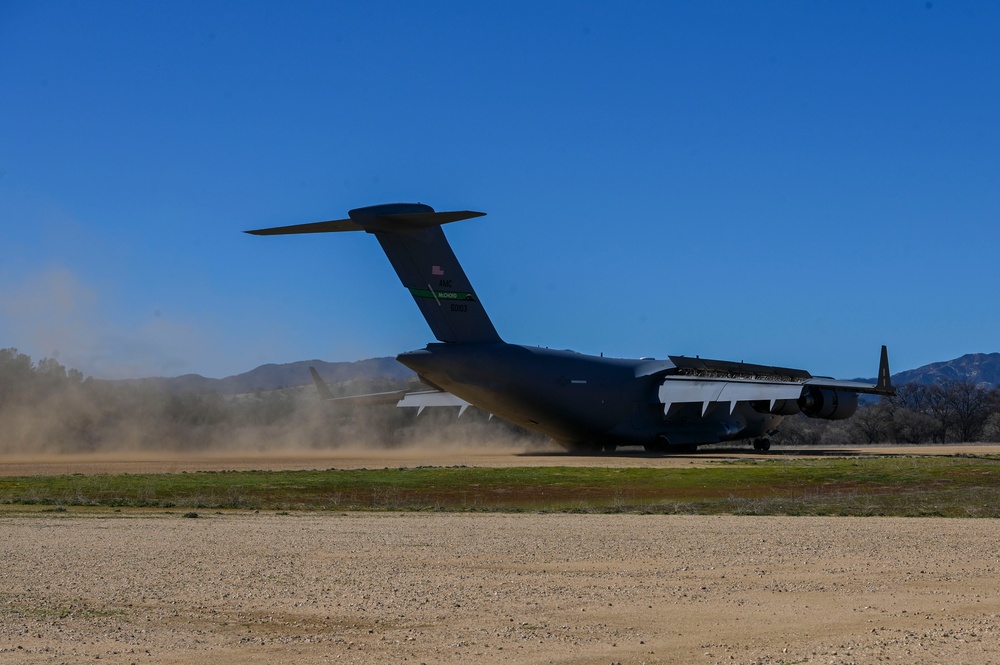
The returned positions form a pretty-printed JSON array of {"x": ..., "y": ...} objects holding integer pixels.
[{"x": 437, "y": 271}]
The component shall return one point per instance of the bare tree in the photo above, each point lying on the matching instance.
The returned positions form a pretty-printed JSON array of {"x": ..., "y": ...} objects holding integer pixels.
[
  {"x": 969, "y": 405},
  {"x": 929, "y": 400},
  {"x": 871, "y": 422},
  {"x": 991, "y": 430},
  {"x": 909, "y": 426}
]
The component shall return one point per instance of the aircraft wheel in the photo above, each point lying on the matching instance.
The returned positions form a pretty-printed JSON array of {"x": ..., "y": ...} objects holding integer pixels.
[{"x": 761, "y": 444}]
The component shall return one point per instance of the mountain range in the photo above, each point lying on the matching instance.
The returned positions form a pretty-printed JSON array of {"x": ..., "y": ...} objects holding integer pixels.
[
  {"x": 980, "y": 368},
  {"x": 287, "y": 375}
]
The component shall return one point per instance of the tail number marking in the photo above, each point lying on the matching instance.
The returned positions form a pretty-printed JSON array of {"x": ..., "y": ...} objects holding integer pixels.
[{"x": 442, "y": 295}]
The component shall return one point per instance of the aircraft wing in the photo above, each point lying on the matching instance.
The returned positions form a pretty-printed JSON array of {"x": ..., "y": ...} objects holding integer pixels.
[
  {"x": 371, "y": 398},
  {"x": 390, "y": 397},
  {"x": 853, "y": 386},
  {"x": 684, "y": 389},
  {"x": 419, "y": 400},
  {"x": 883, "y": 386},
  {"x": 733, "y": 388},
  {"x": 422, "y": 400}
]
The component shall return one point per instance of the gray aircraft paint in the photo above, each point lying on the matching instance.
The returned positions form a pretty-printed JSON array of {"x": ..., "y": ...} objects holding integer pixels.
[{"x": 581, "y": 401}]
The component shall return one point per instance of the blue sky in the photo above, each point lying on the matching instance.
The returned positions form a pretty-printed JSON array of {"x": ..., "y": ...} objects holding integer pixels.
[{"x": 791, "y": 183}]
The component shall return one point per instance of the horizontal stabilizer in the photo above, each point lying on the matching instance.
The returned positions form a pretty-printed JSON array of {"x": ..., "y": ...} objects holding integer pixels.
[
  {"x": 315, "y": 227},
  {"x": 391, "y": 217}
]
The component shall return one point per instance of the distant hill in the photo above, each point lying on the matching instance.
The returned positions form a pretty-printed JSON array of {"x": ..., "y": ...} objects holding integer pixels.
[
  {"x": 274, "y": 377},
  {"x": 981, "y": 368}
]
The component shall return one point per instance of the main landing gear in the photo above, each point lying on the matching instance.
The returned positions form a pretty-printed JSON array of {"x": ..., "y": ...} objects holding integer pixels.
[
  {"x": 664, "y": 446},
  {"x": 762, "y": 444},
  {"x": 590, "y": 448}
]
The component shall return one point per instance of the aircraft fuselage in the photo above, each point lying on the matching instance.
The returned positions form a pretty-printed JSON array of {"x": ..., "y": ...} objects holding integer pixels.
[{"x": 579, "y": 399}]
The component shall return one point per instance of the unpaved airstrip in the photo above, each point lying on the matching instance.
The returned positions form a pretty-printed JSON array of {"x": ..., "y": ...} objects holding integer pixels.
[
  {"x": 246, "y": 587},
  {"x": 414, "y": 456}
]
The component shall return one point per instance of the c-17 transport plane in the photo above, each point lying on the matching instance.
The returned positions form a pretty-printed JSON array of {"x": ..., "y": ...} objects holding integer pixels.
[{"x": 585, "y": 403}]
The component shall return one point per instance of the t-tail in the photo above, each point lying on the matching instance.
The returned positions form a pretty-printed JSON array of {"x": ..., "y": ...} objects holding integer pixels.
[{"x": 412, "y": 238}]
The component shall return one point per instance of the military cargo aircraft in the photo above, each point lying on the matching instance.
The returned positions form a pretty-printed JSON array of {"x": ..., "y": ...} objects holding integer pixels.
[{"x": 585, "y": 403}]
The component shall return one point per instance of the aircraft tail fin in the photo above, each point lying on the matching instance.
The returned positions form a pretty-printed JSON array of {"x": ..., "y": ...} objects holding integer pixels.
[{"x": 411, "y": 237}]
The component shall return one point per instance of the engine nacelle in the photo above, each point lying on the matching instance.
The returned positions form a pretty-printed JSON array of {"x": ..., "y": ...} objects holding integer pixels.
[{"x": 828, "y": 404}]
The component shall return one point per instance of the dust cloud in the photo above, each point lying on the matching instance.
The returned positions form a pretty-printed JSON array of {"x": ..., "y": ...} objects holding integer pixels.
[
  {"x": 49, "y": 413},
  {"x": 61, "y": 315},
  {"x": 48, "y": 409}
]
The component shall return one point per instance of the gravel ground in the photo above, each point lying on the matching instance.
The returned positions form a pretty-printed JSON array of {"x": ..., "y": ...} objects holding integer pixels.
[
  {"x": 377, "y": 458},
  {"x": 234, "y": 587}
]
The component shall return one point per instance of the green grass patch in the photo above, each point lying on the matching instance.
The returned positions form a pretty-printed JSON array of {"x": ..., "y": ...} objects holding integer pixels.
[
  {"x": 12, "y": 607},
  {"x": 960, "y": 486}
]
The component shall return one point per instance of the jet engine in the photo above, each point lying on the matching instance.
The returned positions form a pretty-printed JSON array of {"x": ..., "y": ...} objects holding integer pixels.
[{"x": 827, "y": 403}]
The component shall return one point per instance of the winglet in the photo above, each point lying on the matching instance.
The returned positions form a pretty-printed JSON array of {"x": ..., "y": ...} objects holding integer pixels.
[
  {"x": 324, "y": 390},
  {"x": 884, "y": 385}
]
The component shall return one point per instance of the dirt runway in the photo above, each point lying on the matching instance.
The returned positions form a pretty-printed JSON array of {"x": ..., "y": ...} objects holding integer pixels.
[
  {"x": 377, "y": 458},
  {"x": 243, "y": 587},
  {"x": 492, "y": 588}
]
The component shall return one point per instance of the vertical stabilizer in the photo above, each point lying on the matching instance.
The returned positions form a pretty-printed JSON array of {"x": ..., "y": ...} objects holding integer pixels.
[
  {"x": 411, "y": 237},
  {"x": 427, "y": 267}
]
